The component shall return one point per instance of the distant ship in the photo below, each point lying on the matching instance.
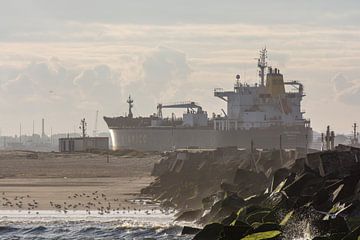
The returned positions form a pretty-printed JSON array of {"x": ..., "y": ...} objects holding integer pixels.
[{"x": 263, "y": 115}]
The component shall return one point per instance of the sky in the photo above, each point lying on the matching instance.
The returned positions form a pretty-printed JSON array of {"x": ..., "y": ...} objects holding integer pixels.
[{"x": 65, "y": 60}]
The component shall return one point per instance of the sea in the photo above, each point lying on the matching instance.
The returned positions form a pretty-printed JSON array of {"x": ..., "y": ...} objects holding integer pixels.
[{"x": 82, "y": 225}]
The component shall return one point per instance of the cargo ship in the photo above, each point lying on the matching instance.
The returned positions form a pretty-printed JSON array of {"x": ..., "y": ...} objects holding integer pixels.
[{"x": 264, "y": 115}]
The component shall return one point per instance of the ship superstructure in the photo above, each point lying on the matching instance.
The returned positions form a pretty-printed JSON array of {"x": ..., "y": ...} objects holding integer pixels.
[
  {"x": 262, "y": 105},
  {"x": 259, "y": 113}
]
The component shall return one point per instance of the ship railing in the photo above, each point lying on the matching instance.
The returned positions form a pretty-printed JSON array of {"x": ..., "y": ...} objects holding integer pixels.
[{"x": 218, "y": 90}]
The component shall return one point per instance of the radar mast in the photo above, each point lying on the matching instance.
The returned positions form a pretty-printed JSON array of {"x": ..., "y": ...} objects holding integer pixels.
[{"x": 262, "y": 64}]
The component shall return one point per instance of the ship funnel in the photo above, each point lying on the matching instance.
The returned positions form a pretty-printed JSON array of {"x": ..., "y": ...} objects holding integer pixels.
[{"x": 275, "y": 83}]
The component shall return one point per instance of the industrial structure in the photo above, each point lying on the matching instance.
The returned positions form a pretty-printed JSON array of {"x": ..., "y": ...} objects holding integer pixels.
[
  {"x": 84, "y": 143},
  {"x": 257, "y": 114}
]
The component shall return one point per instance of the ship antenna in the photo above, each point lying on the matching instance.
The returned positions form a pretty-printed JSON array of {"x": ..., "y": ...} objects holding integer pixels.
[
  {"x": 131, "y": 105},
  {"x": 262, "y": 64}
]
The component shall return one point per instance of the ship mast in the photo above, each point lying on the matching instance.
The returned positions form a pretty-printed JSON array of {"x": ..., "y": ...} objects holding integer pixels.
[
  {"x": 131, "y": 105},
  {"x": 262, "y": 64}
]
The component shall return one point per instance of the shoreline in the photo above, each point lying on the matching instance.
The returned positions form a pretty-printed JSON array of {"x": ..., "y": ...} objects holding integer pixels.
[{"x": 79, "y": 181}]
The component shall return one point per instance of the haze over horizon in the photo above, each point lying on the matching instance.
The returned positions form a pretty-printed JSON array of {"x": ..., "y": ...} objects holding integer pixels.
[{"x": 63, "y": 60}]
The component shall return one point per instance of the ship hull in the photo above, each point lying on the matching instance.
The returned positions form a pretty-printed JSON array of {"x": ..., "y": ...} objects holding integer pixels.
[{"x": 169, "y": 138}]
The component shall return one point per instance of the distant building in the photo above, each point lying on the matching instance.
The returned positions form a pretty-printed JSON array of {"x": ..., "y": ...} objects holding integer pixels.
[{"x": 83, "y": 144}]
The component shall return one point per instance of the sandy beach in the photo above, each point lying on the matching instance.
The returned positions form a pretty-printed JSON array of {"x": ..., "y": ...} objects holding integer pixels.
[{"x": 54, "y": 181}]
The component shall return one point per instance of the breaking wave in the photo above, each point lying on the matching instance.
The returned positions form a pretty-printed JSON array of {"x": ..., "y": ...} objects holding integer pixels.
[{"x": 47, "y": 226}]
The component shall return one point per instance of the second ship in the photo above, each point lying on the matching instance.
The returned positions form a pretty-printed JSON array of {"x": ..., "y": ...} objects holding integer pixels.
[{"x": 263, "y": 115}]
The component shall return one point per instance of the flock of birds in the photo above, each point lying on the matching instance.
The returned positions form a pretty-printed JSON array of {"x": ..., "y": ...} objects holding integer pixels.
[{"x": 94, "y": 202}]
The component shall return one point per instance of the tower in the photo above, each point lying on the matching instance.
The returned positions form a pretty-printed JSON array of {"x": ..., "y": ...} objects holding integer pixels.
[
  {"x": 83, "y": 127},
  {"x": 131, "y": 105},
  {"x": 43, "y": 128},
  {"x": 355, "y": 139}
]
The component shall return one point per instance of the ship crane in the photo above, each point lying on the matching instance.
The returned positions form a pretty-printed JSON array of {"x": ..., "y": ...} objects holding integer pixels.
[{"x": 188, "y": 105}]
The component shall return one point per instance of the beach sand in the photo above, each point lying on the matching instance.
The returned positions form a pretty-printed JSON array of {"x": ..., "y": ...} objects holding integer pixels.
[{"x": 42, "y": 181}]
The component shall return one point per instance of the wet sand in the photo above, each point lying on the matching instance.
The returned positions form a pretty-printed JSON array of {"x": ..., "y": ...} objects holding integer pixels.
[{"x": 45, "y": 181}]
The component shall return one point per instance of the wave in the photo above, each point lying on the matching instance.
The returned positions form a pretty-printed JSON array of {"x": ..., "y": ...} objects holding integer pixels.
[
  {"x": 50, "y": 226},
  {"x": 7, "y": 229},
  {"x": 36, "y": 230}
]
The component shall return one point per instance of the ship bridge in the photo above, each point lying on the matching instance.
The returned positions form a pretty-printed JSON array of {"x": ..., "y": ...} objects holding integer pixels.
[{"x": 263, "y": 104}]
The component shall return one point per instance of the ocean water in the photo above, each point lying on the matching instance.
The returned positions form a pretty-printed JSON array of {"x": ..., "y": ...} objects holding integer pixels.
[{"x": 80, "y": 225}]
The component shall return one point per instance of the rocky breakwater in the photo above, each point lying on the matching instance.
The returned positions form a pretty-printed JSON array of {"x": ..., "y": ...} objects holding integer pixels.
[
  {"x": 317, "y": 197},
  {"x": 237, "y": 197},
  {"x": 191, "y": 181}
]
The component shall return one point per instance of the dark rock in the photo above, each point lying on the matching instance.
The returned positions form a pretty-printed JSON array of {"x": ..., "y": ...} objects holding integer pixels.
[
  {"x": 353, "y": 235},
  {"x": 335, "y": 236},
  {"x": 233, "y": 202},
  {"x": 336, "y": 225},
  {"x": 321, "y": 200},
  {"x": 245, "y": 177},
  {"x": 338, "y": 163},
  {"x": 256, "y": 216},
  {"x": 306, "y": 184},
  {"x": 301, "y": 201},
  {"x": 347, "y": 189},
  {"x": 211, "y": 231},
  {"x": 279, "y": 176},
  {"x": 266, "y": 227},
  {"x": 190, "y": 230},
  {"x": 235, "y": 232},
  {"x": 230, "y": 219},
  {"x": 271, "y": 217}
]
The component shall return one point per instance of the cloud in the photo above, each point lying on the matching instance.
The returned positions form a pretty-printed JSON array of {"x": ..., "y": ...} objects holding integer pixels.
[
  {"x": 346, "y": 91},
  {"x": 99, "y": 87},
  {"x": 164, "y": 70},
  {"x": 49, "y": 85}
]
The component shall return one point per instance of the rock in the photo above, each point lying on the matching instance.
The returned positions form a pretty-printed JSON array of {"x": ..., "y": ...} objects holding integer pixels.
[
  {"x": 306, "y": 184},
  {"x": 336, "y": 225},
  {"x": 321, "y": 200},
  {"x": 243, "y": 177},
  {"x": 190, "y": 230},
  {"x": 266, "y": 227},
  {"x": 189, "y": 216},
  {"x": 263, "y": 235},
  {"x": 338, "y": 163},
  {"x": 279, "y": 176},
  {"x": 235, "y": 232},
  {"x": 346, "y": 191},
  {"x": 228, "y": 187},
  {"x": 256, "y": 217},
  {"x": 353, "y": 235},
  {"x": 229, "y": 220},
  {"x": 211, "y": 231}
]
